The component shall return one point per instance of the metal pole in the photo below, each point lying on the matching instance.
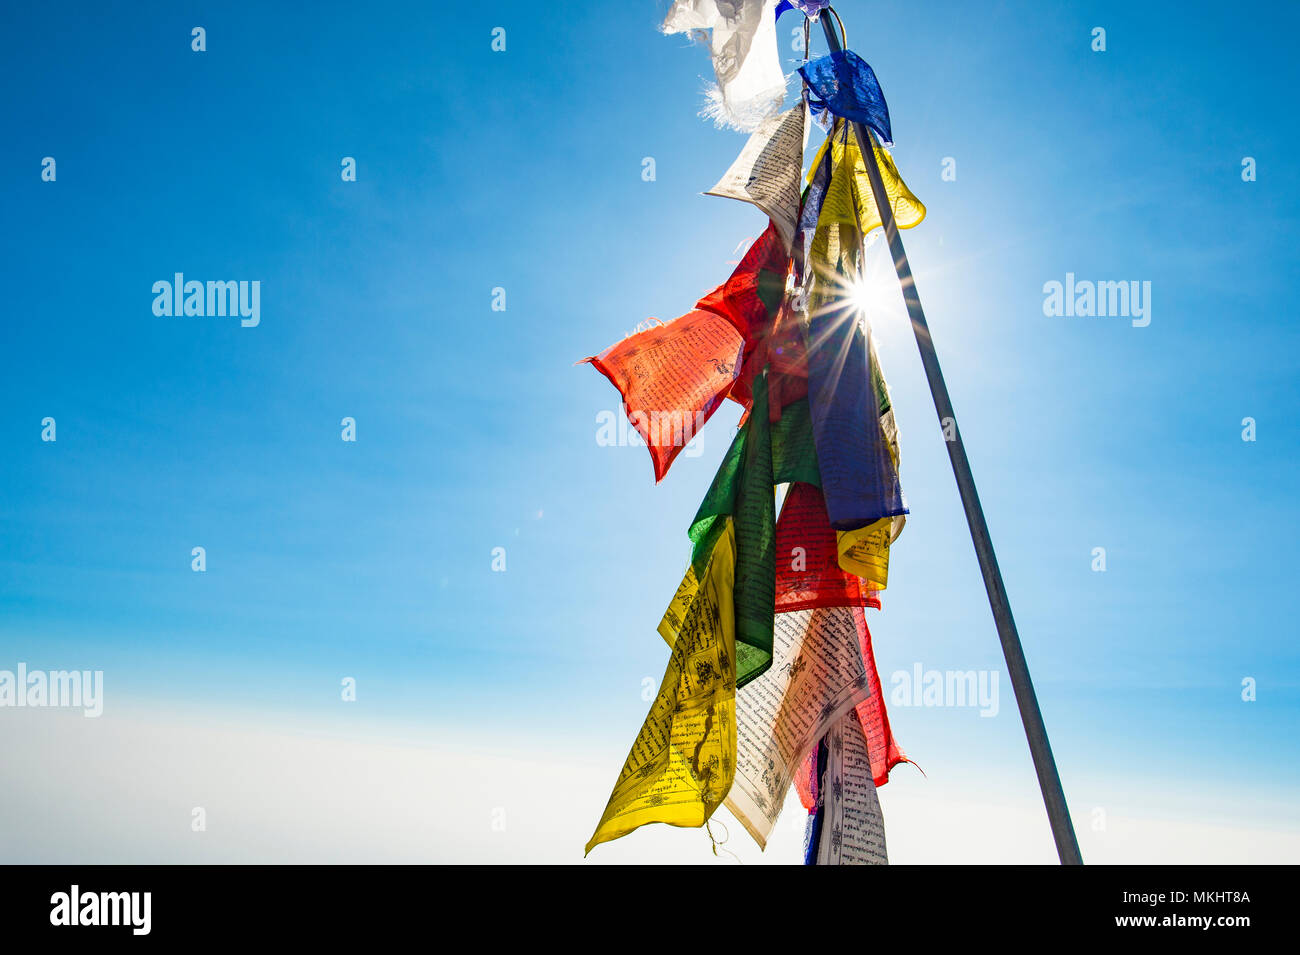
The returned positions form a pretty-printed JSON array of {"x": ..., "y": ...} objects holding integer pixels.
[{"x": 1067, "y": 846}]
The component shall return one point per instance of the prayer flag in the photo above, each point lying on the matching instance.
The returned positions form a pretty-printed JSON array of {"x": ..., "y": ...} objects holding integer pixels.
[
  {"x": 682, "y": 763},
  {"x": 873, "y": 719},
  {"x": 817, "y": 676},
  {"x": 858, "y": 477},
  {"x": 751, "y": 295},
  {"x": 772, "y": 678},
  {"x": 848, "y": 200},
  {"x": 763, "y": 454},
  {"x": 850, "y": 828},
  {"x": 768, "y": 170},
  {"x": 808, "y": 560},
  {"x": 750, "y": 82},
  {"x": 742, "y": 489},
  {"x": 672, "y": 378},
  {"x": 843, "y": 83}
]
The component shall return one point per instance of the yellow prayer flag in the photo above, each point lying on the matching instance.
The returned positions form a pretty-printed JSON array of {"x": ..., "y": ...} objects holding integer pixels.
[
  {"x": 849, "y": 201},
  {"x": 864, "y": 552},
  {"x": 671, "y": 624},
  {"x": 684, "y": 759}
]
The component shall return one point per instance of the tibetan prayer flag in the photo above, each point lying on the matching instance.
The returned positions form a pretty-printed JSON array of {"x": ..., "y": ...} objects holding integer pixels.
[
  {"x": 763, "y": 454},
  {"x": 815, "y": 768},
  {"x": 771, "y": 678},
  {"x": 768, "y": 170},
  {"x": 873, "y": 720},
  {"x": 858, "y": 477},
  {"x": 751, "y": 296},
  {"x": 849, "y": 200},
  {"x": 750, "y": 81},
  {"x": 817, "y": 676},
  {"x": 794, "y": 455},
  {"x": 809, "y": 570},
  {"x": 672, "y": 378},
  {"x": 865, "y": 552},
  {"x": 843, "y": 83},
  {"x": 742, "y": 489},
  {"x": 780, "y": 349},
  {"x": 819, "y": 183},
  {"x": 681, "y": 766},
  {"x": 850, "y": 827},
  {"x": 872, "y": 715}
]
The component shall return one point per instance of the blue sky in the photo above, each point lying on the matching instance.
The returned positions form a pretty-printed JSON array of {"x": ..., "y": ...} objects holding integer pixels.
[{"x": 523, "y": 170}]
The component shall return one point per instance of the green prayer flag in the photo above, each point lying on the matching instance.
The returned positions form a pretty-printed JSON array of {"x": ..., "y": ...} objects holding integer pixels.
[{"x": 762, "y": 455}]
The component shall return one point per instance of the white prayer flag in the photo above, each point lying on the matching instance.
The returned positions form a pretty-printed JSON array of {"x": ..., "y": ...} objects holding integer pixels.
[
  {"x": 751, "y": 86},
  {"x": 769, "y": 169}
]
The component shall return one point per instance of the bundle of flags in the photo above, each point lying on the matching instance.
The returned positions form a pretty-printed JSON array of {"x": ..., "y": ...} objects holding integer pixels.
[{"x": 771, "y": 679}]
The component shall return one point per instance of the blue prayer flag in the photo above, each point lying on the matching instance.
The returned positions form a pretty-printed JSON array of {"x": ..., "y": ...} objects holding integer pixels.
[{"x": 845, "y": 84}]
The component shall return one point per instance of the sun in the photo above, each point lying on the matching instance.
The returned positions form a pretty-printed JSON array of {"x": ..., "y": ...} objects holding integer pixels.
[{"x": 860, "y": 294}]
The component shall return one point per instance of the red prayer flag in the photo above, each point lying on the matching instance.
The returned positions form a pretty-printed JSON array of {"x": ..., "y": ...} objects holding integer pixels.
[
  {"x": 672, "y": 378},
  {"x": 753, "y": 299},
  {"x": 808, "y": 572},
  {"x": 749, "y": 298}
]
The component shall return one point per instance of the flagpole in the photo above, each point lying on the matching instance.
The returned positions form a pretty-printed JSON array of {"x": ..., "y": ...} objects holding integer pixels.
[{"x": 1049, "y": 781}]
